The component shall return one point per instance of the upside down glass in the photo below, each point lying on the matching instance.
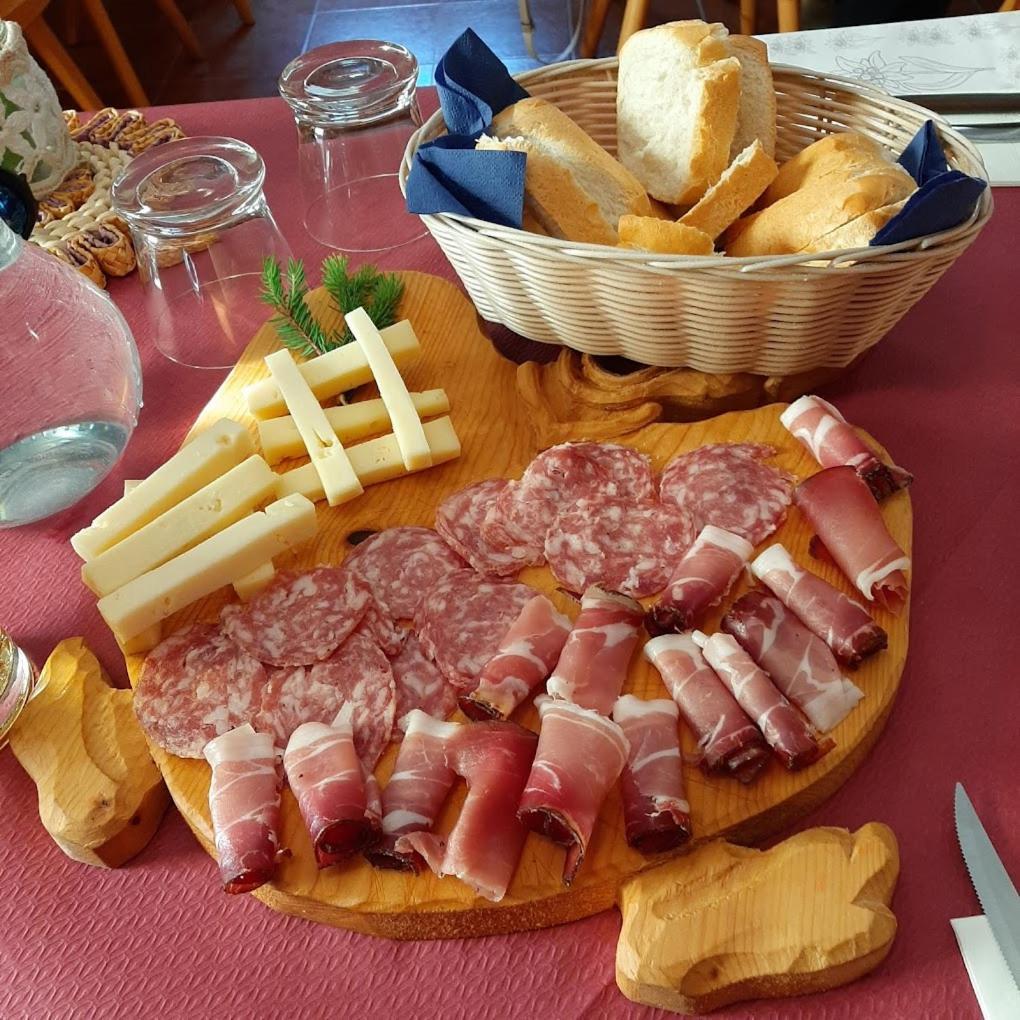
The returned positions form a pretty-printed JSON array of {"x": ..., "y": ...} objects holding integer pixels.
[
  {"x": 355, "y": 107},
  {"x": 201, "y": 229}
]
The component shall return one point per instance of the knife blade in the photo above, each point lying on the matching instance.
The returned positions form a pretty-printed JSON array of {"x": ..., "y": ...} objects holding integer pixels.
[{"x": 995, "y": 890}]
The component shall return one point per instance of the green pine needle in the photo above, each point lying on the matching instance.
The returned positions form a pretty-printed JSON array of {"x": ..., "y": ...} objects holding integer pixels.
[{"x": 378, "y": 293}]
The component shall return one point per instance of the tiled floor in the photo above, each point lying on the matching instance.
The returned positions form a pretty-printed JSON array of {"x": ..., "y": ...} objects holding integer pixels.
[{"x": 243, "y": 62}]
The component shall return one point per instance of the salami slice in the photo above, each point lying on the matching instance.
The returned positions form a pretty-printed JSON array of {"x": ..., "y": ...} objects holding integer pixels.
[
  {"x": 728, "y": 485},
  {"x": 461, "y": 620},
  {"x": 386, "y": 633},
  {"x": 299, "y": 618},
  {"x": 399, "y": 565},
  {"x": 420, "y": 684},
  {"x": 621, "y": 545},
  {"x": 197, "y": 685},
  {"x": 356, "y": 672},
  {"x": 459, "y": 519}
]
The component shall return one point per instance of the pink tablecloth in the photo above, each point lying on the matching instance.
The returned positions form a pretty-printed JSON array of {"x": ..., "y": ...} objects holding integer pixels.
[{"x": 158, "y": 939}]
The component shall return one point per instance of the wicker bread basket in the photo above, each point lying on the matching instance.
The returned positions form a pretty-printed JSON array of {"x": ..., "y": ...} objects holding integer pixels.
[{"x": 772, "y": 315}]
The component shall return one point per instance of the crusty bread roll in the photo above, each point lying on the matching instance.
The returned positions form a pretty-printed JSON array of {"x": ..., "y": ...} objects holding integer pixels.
[
  {"x": 572, "y": 187},
  {"x": 757, "y": 115},
  {"x": 677, "y": 99},
  {"x": 859, "y": 232},
  {"x": 741, "y": 183},
  {"x": 663, "y": 237}
]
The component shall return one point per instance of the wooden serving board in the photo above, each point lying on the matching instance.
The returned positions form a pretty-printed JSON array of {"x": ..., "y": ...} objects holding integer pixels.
[{"x": 494, "y": 429}]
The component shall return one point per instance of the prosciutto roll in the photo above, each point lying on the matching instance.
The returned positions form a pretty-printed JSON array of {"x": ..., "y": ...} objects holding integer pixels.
[
  {"x": 486, "y": 843},
  {"x": 704, "y": 575},
  {"x": 244, "y": 801},
  {"x": 783, "y": 727},
  {"x": 525, "y": 657},
  {"x": 594, "y": 662},
  {"x": 840, "y": 621},
  {"x": 839, "y": 506},
  {"x": 580, "y": 755},
  {"x": 729, "y": 741},
  {"x": 832, "y": 442},
  {"x": 656, "y": 814},
  {"x": 800, "y": 664},
  {"x": 414, "y": 796},
  {"x": 325, "y": 776}
]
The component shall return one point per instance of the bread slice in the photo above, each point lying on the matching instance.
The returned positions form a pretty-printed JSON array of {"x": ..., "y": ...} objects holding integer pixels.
[
  {"x": 859, "y": 232},
  {"x": 757, "y": 115},
  {"x": 742, "y": 182},
  {"x": 677, "y": 98},
  {"x": 650, "y": 234},
  {"x": 572, "y": 187}
]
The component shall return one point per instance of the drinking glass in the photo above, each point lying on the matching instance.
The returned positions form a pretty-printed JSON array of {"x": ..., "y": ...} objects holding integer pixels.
[
  {"x": 201, "y": 228},
  {"x": 355, "y": 107}
]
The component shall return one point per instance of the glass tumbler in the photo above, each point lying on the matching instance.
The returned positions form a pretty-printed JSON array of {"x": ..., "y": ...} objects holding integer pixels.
[
  {"x": 201, "y": 228},
  {"x": 355, "y": 107}
]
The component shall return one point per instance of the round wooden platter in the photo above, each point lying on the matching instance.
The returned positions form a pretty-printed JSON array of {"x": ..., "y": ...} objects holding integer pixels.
[{"x": 494, "y": 429}]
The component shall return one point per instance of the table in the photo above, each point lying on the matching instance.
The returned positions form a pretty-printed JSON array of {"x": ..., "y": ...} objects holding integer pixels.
[{"x": 158, "y": 938}]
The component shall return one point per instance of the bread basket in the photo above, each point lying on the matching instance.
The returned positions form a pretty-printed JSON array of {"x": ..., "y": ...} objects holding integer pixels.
[{"x": 772, "y": 315}]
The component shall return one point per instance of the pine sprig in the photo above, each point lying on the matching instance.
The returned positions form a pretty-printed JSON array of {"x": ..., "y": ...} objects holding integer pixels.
[{"x": 378, "y": 293}]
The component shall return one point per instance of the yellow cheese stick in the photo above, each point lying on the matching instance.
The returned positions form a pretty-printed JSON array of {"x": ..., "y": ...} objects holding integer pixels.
[
  {"x": 212, "y": 453},
  {"x": 377, "y": 460},
  {"x": 414, "y": 447},
  {"x": 280, "y": 438},
  {"x": 218, "y": 561},
  {"x": 214, "y": 507},
  {"x": 250, "y": 585},
  {"x": 334, "y": 372},
  {"x": 329, "y": 459},
  {"x": 143, "y": 642},
  {"x": 131, "y": 483}
]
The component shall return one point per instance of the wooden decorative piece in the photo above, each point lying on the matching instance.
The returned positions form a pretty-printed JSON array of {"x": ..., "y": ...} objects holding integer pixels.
[
  {"x": 493, "y": 425},
  {"x": 727, "y": 923},
  {"x": 101, "y": 796}
]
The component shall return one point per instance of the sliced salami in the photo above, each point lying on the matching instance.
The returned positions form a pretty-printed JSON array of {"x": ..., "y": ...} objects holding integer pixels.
[
  {"x": 386, "y": 633},
  {"x": 461, "y": 620},
  {"x": 358, "y": 673},
  {"x": 621, "y": 545},
  {"x": 197, "y": 685},
  {"x": 419, "y": 684},
  {"x": 299, "y": 618},
  {"x": 730, "y": 486},
  {"x": 459, "y": 519},
  {"x": 399, "y": 565}
]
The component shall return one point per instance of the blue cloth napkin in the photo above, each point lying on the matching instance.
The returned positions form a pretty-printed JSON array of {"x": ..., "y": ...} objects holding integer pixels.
[
  {"x": 449, "y": 175},
  {"x": 944, "y": 198}
]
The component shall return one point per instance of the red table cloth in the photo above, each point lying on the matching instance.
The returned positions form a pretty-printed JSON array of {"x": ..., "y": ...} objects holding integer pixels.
[{"x": 158, "y": 938}]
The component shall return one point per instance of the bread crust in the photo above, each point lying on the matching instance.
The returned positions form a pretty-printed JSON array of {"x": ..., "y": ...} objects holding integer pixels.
[{"x": 663, "y": 237}]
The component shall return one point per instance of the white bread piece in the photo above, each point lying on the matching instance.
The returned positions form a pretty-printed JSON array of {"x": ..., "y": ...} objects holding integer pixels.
[
  {"x": 858, "y": 232},
  {"x": 677, "y": 99},
  {"x": 648, "y": 233},
  {"x": 757, "y": 115},
  {"x": 742, "y": 182},
  {"x": 572, "y": 187}
]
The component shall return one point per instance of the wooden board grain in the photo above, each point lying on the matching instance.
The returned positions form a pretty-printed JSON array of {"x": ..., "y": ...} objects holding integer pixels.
[{"x": 494, "y": 428}]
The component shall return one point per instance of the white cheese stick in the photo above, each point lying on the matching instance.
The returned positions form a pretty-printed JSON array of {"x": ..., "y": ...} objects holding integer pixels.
[
  {"x": 377, "y": 460},
  {"x": 250, "y": 585},
  {"x": 329, "y": 459},
  {"x": 414, "y": 447},
  {"x": 130, "y": 484},
  {"x": 334, "y": 372},
  {"x": 218, "y": 561},
  {"x": 144, "y": 641},
  {"x": 280, "y": 438},
  {"x": 212, "y": 453},
  {"x": 214, "y": 507}
]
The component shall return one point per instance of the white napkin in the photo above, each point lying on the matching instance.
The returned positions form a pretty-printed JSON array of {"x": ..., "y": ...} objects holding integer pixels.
[{"x": 997, "y": 993}]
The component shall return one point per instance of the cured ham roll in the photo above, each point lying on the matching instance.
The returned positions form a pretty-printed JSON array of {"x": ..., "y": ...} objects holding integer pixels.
[
  {"x": 594, "y": 662},
  {"x": 525, "y": 657},
  {"x": 580, "y": 755},
  {"x": 704, "y": 575},
  {"x": 840, "y": 621},
  {"x": 839, "y": 506},
  {"x": 244, "y": 801},
  {"x": 326, "y": 778},
  {"x": 833, "y": 442},
  {"x": 486, "y": 842},
  {"x": 783, "y": 727},
  {"x": 418, "y": 787},
  {"x": 729, "y": 741},
  {"x": 800, "y": 664},
  {"x": 656, "y": 814}
]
